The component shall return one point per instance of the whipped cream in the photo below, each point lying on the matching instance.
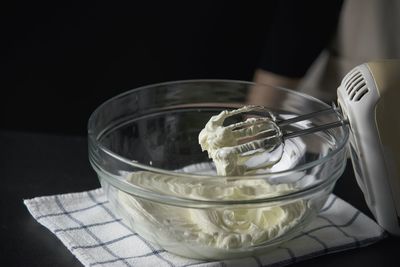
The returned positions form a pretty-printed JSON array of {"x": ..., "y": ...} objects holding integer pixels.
[
  {"x": 232, "y": 148},
  {"x": 224, "y": 228},
  {"x": 218, "y": 232}
]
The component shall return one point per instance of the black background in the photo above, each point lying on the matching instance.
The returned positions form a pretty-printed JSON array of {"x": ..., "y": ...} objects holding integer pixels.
[{"x": 59, "y": 61}]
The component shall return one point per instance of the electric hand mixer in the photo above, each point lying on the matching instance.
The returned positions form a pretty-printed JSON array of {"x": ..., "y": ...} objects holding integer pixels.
[{"x": 367, "y": 102}]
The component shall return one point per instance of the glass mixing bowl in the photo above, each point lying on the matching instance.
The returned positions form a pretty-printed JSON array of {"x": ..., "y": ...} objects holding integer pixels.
[{"x": 143, "y": 144}]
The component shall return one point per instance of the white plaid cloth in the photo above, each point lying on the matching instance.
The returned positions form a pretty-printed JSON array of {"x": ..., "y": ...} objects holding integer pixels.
[{"x": 86, "y": 225}]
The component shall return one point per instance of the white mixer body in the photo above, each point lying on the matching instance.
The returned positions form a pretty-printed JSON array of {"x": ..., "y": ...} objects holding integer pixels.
[{"x": 369, "y": 97}]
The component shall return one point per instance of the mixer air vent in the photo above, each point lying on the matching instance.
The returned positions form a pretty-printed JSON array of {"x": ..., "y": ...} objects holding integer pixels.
[{"x": 355, "y": 85}]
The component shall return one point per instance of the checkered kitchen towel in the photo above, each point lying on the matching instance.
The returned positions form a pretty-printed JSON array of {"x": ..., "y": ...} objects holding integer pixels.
[{"x": 86, "y": 225}]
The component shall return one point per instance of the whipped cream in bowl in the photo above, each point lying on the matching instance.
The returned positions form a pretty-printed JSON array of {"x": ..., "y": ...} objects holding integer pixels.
[{"x": 146, "y": 148}]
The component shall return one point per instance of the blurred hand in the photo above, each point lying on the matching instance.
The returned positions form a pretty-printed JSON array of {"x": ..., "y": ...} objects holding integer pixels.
[{"x": 262, "y": 93}]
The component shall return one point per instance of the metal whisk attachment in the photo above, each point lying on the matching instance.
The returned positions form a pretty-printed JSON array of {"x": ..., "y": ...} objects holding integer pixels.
[
  {"x": 333, "y": 109},
  {"x": 261, "y": 132}
]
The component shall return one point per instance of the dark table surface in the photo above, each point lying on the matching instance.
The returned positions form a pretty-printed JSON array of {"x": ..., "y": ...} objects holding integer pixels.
[{"x": 34, "y": 164}]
